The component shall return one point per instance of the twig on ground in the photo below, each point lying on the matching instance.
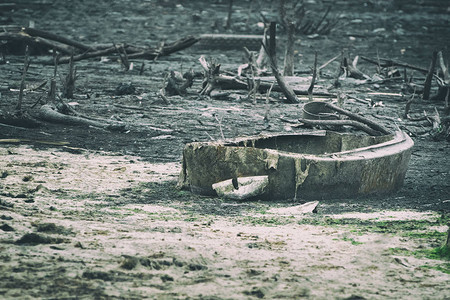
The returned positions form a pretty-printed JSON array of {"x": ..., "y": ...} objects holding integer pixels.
[
  {"x": 328, "y": 62},
  {"x": 26, "y": 64},
  {"x": 313, "y": 80},
  {"x": 383, "y": 62}
]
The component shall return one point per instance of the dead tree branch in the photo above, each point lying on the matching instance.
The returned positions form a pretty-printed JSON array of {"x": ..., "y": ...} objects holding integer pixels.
[
  {"x": 359, "y": 118},
  {"x": 51, "y": 114},
  {"x": 352, "y": 123},
  {"x": 313, "y": 79}
]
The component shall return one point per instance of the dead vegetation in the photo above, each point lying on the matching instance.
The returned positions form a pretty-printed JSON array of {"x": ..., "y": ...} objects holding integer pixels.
[{"x": 94, "y": 119}]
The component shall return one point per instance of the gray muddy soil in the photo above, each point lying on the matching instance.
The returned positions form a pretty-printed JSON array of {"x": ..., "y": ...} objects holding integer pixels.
[{"x": 100, "y": 217}]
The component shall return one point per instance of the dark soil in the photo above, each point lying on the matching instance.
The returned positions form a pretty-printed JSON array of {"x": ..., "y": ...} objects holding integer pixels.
[{"x": 405, "y": 31}]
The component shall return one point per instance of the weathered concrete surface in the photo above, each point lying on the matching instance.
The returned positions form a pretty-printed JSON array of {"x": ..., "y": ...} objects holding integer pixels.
[{"x": 316, "y": 165}]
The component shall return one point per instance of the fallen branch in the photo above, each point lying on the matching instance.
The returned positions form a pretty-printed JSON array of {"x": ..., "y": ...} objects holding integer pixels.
[
  {"x": 383, "y": 62},
  {"x": 352, "y": 123},
  {"x": 21, "y": 120},
  {"x": 49, "y": 113},
  {"x": 352, "y": 71},
  {"x": 30, "y": 40},
  {"x": 359, "y": 118},
  {"x": 53, "y": 37},
  {"x": 134, "y": 52}
]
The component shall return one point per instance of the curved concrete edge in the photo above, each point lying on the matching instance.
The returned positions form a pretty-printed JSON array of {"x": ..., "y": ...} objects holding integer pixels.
[{"x": 379, "y": 168}]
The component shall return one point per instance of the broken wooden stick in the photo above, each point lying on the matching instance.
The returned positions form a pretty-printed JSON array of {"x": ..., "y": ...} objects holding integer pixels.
[
  {"x": 26, "y": 64},
  {"x": 383, "y": 62},
  {"x": 134, "y": 52},
  {"x": 50, "y": 113},
  {"x": 352, "y": 71},
  {"x": 352, "y": 123},
  {"x": 313, "y": 79},
  {"x": 359, "y": 118}
]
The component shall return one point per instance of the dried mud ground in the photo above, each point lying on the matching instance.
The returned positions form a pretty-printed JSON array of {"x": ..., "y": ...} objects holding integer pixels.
[{"x": 99, "y": 217}]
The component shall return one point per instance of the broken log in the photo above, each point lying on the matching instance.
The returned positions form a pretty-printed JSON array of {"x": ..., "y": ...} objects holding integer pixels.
[
  {"x": 134, "y": 52},
  {"x": 18, "y": 119},
  {"x": 359, "y": 118},
  {"x": 383, "y": 62},
  {"x": 51, "y": 114},
  {"x": 352, "y": 123}
]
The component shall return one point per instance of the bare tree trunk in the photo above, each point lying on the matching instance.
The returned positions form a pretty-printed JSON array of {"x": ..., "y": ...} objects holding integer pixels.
[{"x": 428, "y": 80}]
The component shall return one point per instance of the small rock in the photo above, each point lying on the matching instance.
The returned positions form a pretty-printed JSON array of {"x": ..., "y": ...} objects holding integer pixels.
[
  {"x": 158, "y": 229},
  {"x": 53, "y": 228},
  {"x": 125, "y": 89},
  {"x": 5, "y": 204},
  {"x": 6, "y": 227},
  {"x": 129, "y": 263},
  {"x": 257, "y": 292},
  {"x": 27, "y": 178},
  {"x": 176, "y": 230},
  {"x": 166, "y": 278},
  {"x": 36, "y": 239}
]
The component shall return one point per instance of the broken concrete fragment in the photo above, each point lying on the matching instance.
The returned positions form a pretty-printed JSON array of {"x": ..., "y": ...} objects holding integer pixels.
[
  {"x": 308, "y": 207},
  {"x": 248, "y": 187}
]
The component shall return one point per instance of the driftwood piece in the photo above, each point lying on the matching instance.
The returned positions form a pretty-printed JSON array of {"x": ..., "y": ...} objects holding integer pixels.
[
  {"x": 133, "y": 52},
  {"x": 32, "y": 40},
  {"x": 359, "y": 118},
  {"x": 53, "y": 37},
  {"x": 167, "y": 49},
  {"x": 352, "y": 71},
  {"x": 49, "y": 113},
  {"x": 383, "y": 62},
  {"x": 352, "y": 123},
  {"x": 18, "y": 119},
  {"x": 69, "y": 46},
  {"x": 226, "y": 82}
]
